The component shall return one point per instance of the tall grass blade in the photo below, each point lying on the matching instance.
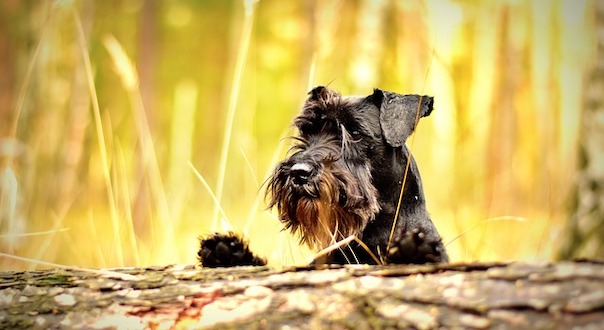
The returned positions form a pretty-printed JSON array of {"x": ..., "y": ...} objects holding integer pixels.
[
  {"x": 400, "y": 197},
  {"x": 243, "y": 49},
  {"x": 26, "y": 82},
  {"x": 495, "y": 219},
  {"x": 36, "y": 233},
  {"x": 126, "y": 70},
  {"x": 96, "y": 111},
  {"x": 212, "y": 195},
  {"x": 125, "y": 196}
]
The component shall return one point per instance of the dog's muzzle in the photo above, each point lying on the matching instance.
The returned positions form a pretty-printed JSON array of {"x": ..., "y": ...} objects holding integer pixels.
[{"x": 300, "y": 173}]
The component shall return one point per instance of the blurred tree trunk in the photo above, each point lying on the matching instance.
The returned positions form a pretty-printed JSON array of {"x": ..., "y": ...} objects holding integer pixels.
[
  {"x": 7, "y": 65},
  {"x": 146, "y": 63},
  {"x": 585, "y": 229}
]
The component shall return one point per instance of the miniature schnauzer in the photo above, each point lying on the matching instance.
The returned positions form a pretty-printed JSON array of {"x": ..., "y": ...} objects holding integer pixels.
[{"x": 343, "y": 179}]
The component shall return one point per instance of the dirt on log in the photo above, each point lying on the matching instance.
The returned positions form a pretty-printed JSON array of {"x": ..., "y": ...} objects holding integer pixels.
[{"x": 481, "y": 296}]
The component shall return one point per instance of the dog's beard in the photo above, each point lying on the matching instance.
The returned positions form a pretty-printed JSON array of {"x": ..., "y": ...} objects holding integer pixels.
[{"x": 332, "y": 206}]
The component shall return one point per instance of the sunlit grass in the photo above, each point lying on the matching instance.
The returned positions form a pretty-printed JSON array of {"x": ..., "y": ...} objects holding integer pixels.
[
  {"x": 494, "y": 156},
  {"x": 111, "y": 202},
  {"x": 242, "y": 55}
]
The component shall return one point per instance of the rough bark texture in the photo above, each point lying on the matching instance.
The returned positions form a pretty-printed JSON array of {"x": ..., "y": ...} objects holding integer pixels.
[
  {"x": 586, "y": 223},
  {"x": 481, "y": 296}
]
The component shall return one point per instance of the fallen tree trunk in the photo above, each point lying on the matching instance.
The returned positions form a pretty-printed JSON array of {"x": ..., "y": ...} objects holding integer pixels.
[{"x": 481, "y": 296}]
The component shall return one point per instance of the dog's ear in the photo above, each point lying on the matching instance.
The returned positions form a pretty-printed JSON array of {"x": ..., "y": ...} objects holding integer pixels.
[
  {"x": 399, "y": 113},
  {"x": 317, "y": 93},
  {"x": 322, "y": 94}
]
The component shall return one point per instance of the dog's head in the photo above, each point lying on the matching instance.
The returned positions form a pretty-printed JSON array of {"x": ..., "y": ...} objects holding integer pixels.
[{"x": 324, "y": 190}]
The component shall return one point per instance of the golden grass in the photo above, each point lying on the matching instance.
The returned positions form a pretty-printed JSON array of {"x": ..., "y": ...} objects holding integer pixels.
[
  {"x": 242, "y": 55},
  {"x": 496, "y": 156},
  {"x": 111, "y": 202}
]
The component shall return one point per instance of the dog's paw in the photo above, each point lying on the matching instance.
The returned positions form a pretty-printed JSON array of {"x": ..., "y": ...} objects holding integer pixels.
[
  {"x": 415, "y": 248},
  {"x": 226, "y": 250}
]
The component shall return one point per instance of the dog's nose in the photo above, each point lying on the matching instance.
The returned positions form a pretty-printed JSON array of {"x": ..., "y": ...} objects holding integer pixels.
[{"x": 300, "y": 173}]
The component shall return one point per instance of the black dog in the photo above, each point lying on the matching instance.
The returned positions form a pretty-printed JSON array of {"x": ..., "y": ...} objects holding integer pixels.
[{"x": 343, "y": 178}]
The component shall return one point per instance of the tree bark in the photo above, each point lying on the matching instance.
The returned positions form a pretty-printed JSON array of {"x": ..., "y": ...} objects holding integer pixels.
[
  {"x": 481, "y": 296},
  {"x": 585, "y": 229}
]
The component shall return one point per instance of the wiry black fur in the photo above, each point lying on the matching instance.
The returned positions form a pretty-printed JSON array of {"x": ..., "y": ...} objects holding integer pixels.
[
  {"x": 344, "y": 177},
  {"x": 226, "y": 251}
]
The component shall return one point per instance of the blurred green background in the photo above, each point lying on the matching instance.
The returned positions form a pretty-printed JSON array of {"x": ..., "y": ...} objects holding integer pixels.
[{"x": 123, "y": 124}]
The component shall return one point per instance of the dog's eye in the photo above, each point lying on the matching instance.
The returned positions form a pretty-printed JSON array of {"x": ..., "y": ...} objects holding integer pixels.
[
  {"x": 357, "y": 135},
  {"x": 307, "y": 129}
]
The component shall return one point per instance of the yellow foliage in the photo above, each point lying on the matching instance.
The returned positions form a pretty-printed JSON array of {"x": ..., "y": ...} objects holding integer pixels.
[{"x": 145, "y": 124}]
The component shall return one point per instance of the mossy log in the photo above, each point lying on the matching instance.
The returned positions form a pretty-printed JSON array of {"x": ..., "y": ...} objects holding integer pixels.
[{"x": 480, "y": 295}]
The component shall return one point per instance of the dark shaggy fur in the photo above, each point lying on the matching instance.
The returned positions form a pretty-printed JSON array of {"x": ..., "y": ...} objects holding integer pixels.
[
  {"x": 226, "y": 251},
  {"x": 344, "y": 177}
]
